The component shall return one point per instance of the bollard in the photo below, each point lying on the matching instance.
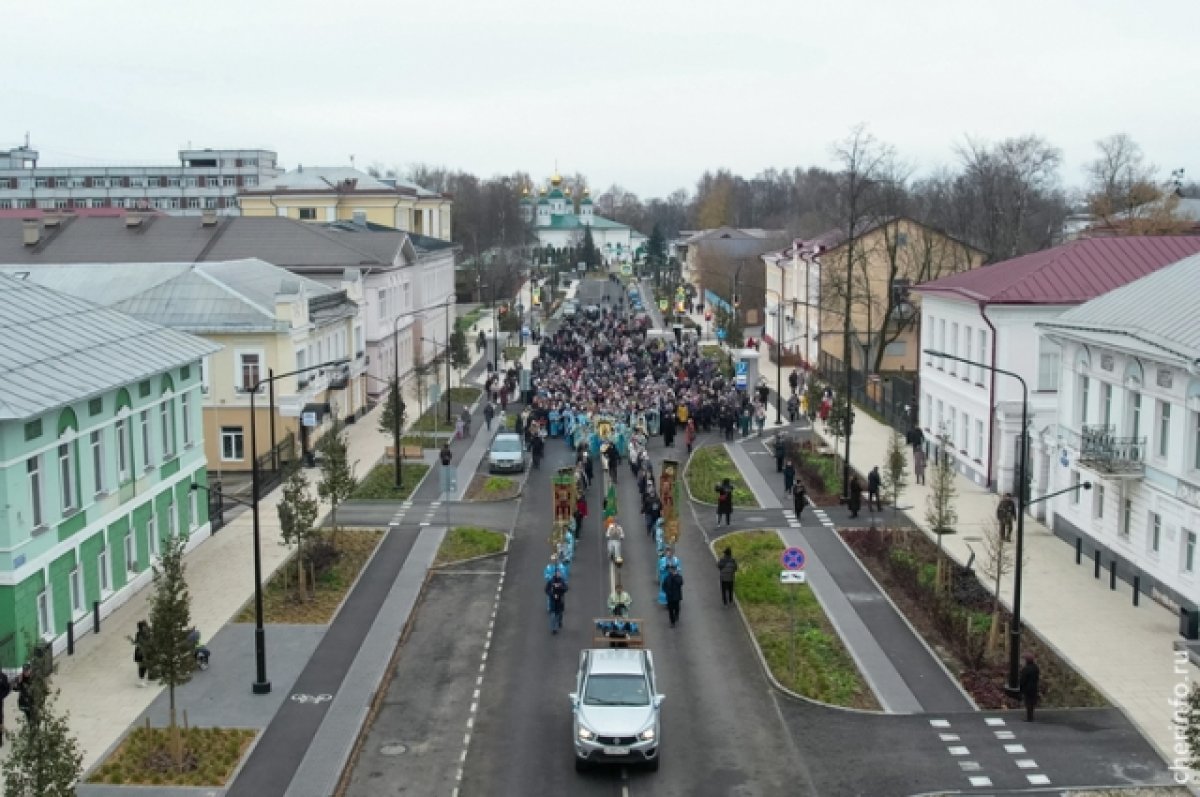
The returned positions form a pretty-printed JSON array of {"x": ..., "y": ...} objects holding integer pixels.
[
  {"x": 70, "y": 639},
  {"x": 1112, "y": 575},
  {"x": 1078, "y": 550},
  {"x": 95, "y": 617},
  {"x": 1137, "y": 587},
  {"x": 1096, "y": 573}
]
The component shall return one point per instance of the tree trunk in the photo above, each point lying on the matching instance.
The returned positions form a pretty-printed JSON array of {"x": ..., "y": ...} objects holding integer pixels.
[{"x": 173, "y": 730}]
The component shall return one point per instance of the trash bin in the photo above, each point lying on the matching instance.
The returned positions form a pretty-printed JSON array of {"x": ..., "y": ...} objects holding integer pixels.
[{"x": 1189, "y": 622}]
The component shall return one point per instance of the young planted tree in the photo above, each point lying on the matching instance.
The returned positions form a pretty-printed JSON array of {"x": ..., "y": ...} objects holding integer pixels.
[
  {"x": 940, "y": 513},
  {"x": 393, "y": 410},
  {"x": 460, "y": 353},
  {"x": 298, "y": 512},
  {"x": 170, "y": 653},
  {"x": 44, "y": 758},
  {"x": 1189, "y": 717},
  {"x": 895, "y": 470},
  {"x": 998, "y": 559},
  {"x": 337, "y": 474}
]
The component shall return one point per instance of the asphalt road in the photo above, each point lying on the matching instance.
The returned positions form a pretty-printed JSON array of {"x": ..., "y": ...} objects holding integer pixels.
[{"x": 722, "y": 729}]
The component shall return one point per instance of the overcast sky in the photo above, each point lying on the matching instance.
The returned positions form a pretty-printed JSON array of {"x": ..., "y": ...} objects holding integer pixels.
[{"x": 647, "y": 93}]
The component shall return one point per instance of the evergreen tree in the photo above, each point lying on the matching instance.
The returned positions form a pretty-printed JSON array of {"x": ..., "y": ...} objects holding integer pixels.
[
  {"x": 656, "y": 248},
  {"x": 44, "y": 759},
  {"x": 298, "y": 512},
  {"x": 940, "y": 513},
  {"x": 588, "y": 249},
  {"x": 460, "y": 354},
  {"x": 169, "y": 651},
  {"x": 337, "y": 475},
  {"x": 393, "y": 410}
]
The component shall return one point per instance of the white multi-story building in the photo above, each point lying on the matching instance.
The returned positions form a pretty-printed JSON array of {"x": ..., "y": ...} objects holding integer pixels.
[
  {"x": 793, "y": 301},
  {"x": 989, "y": 316},
  {"x": 1129, "y": 422},
  {"x": 204, "y": 179}
]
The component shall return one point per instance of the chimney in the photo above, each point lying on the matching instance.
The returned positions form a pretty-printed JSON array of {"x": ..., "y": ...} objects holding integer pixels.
[
  {"x": 209, "y": 217},
  {"x": 33, "y": 231}
]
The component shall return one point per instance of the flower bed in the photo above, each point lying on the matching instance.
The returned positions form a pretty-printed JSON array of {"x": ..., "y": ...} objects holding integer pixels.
[
  {"x": 210, "y": 756},
  {"x": 954, "y": 620},
  {"x": 820, "y": 471}
]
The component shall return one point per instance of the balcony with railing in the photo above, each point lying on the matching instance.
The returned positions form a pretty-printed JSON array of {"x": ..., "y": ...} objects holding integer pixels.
[{"x": 1099, "y": 447}]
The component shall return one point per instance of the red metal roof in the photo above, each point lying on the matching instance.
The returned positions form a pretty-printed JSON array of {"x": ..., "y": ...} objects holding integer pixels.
[{"x": 1069, "y": 274}]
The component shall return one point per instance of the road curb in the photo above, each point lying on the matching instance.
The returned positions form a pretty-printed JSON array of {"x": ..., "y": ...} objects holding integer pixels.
[
  {"x": 762, "y": 659},
  {"x": 693, "y": 498}
]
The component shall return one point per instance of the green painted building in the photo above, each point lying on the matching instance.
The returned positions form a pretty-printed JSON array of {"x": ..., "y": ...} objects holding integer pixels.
[{"x": 100, "y": 442}]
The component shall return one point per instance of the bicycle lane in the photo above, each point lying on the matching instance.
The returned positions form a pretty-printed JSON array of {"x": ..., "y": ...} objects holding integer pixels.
[{"x": 285, "y": 743}]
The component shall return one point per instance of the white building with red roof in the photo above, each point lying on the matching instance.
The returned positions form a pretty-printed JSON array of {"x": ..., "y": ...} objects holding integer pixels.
[{"x": 990, "y": 315}]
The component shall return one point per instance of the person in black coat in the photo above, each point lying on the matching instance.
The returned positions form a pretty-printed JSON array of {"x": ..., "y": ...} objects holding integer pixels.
[
  {"x": 799, "y": 498},
  {"x": 725, "y": 502},
  {"x": 854, "y": 498},
  {"x": 673, "y": 589},
  {"x": 1029, "y": 683}
]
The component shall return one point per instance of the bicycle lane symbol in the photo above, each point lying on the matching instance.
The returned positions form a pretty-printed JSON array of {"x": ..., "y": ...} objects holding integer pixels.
[{"x": 299, "y": 697}]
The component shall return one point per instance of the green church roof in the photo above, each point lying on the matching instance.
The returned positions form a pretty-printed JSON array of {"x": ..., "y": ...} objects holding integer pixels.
[
  {"x": 556, "y": 194},
  {"x": 543, "y": 201}
]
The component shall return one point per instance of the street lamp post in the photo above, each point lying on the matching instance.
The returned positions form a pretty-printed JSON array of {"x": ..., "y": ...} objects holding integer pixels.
[
  {"x": 396, "y": 381},
  {"x": 1014, "y": 631},
  {"x": 261, "y": 685}
]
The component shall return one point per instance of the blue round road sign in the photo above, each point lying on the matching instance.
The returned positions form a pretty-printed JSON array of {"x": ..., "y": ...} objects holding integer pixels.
[{"x": 793, "y": 559}]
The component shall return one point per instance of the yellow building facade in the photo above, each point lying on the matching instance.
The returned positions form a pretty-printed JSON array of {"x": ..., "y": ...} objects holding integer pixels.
[{"x": 327, "y": 194}]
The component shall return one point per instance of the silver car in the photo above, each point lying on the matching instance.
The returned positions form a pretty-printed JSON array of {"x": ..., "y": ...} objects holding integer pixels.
[
  {"x": 507, "y": 453},
  {"x": 616, "y": 707}
]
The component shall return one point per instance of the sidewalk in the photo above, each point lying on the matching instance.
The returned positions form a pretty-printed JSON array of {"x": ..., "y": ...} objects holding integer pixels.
[
  {"x": 1126, "y": 651},
  {"x": 98, "y": 685}
]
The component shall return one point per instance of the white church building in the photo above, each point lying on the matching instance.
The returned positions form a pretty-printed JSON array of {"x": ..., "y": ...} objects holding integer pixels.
[{"x": 555, "y": 222}]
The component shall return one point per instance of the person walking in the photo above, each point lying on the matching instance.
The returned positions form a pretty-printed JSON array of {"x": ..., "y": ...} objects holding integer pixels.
[
  {"x": 799, "y": 498},
  {"x": 446, "y": 454},
  {"x": 789, "y": 477},
  {"x": 915, "y": 438},
  {"x": 854, "y": 497},
  {"x": 1029, "y": 683},
  {"x": 725, "y": 501},
  {"x": 140, "y": 639},
  {"x": 760, "y": 418},
  {"x": 556, "y": 591},
  {"x": 919, "y": 464},
  {"x": 581, "y": 512},
  {"x": 727, "y": 566},
  {"x": 667, "y": 424},
  {"x": 780, "y": 450},
  {"x": 615, "y": 535},
  {"x": 874, "y": 485},
  {"x": 489, "y": 412},
  {"x": 1006, "y": 513},
  {"x": 673, "y": 587},
  {"x": 690, "y": 435}
]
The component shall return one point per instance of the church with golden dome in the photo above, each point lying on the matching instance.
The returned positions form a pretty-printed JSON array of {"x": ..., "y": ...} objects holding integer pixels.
[{"x": 558, "y": 219}]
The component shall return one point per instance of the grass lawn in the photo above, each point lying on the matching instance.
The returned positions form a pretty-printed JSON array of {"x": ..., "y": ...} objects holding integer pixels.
[
  {"x": 513, "y": 353},
  {"x": 210, "y": 755},
  {"x": 467, "y": 542},
  {"x": 280, "y": 604},
  {"x": 380, "y": 483},
  {"x": 705, "y": 470},
  {"x": 469, "y": 320},
  {"x": 433, "y": 419},
  {"x": 464, "y": 395},
  {"x": 492, "y": 488},
  {"x": 823, "y": 668},
  {"x": 424, "y": 441}
]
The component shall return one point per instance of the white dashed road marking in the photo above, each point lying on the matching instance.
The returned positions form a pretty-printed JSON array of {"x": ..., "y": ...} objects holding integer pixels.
[{"x": 487, "y": 644}]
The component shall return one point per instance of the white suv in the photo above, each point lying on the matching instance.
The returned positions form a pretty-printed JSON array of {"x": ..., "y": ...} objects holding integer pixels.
[{"x": 616, "y": 707}]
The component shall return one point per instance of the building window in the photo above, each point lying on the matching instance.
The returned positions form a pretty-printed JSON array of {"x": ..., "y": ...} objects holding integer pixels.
[
  {"x": 102, "y": 567},
  {"x": 228, "y": 182},
  {"x": 152, "y": 533},
  {"x": 144, "y": 426},
  {"x": 1098, "y": 502},
  {"x": 982, "y": 356},
  {"x": 1135, "y": 414},
  {"x": 1196, "y": 440},
  {"x": 97, "y": 461},
  {"x": 204, "y": 375},
  {"x": 193, "y": 510},
  {"x": 1075, "y": 488},
  {"x": 941, "y": 341},
  {"x": 1164, "y": 428},
  {"x": 1189, "y": 551},
  {"x": 927, "y": 411},
  {"x": 232, "y": 447},
  {"x": 1155, "y": 525},
  {"x": 1106, "y": 397},
  {"x": 193, "y": 202},
  {"x": 1126, "y": 517},
  {"x": 250, "y": 182},
  {"x": 76, "y": 589},
  {"x": 172, "y": 519},
  {"x": 979, "y": 440},
  {"x": 968, "y": 339},
  {"x": 122, "y": 430},
  {"x": 45, "y": 629},
  {"x": 167, "y": 418},
  {"x": 1085, "y": 389},
  {"x": 185, "y": 406},
  {"x": 33, "y": 470},
  {"x": 249, "y": 371},
  {"x": 66, "y": 475},
  {"x": 953, "y": 367},
  {"x": 937, "y": 429},
  {"x": 966, "y": 431},
  {"x": 130, "y": 554},
  {"x": 952, "y": 426},
  {"x": 1049, "y": 355},
  {"x": 308, "y": 214}
]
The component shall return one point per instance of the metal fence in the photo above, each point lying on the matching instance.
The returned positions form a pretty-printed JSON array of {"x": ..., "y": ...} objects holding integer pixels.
[
  {"x": 273, "y": 464},
  {"x": 892, "y": 397}
]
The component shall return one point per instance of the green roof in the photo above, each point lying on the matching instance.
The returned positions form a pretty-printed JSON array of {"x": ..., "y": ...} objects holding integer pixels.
[
  {"x": 556, "y": 194},
  {"x": 543, "y": 201},
  {"x": 569, "y": 221},
  {"x": 525, "y": 200},
  {"x": 587, "y": 200}
]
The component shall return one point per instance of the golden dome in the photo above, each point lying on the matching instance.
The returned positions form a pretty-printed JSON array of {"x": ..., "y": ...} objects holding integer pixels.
[
  {"x": 543, "y": 192},
  {"x": 524, "y": 190},
  {"x": 587, "y": 192},
  {"x": 556, "y": 179}
]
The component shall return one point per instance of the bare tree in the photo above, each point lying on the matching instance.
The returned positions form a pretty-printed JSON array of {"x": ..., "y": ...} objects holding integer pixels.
[
  {"x": 940, "y": 513},
  {"x": 895, "y": 470}
]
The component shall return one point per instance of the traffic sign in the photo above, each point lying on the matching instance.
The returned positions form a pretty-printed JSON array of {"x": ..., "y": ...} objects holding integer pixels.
[
  {"x": 742, "y": 368},
  {"x": 663, "y": 304},
  {"x": 308, "y": 419},
  {"x": 739, "y": 381},
  {"x": 792, "y": 577},
  {"x": 793, "y": 559}
]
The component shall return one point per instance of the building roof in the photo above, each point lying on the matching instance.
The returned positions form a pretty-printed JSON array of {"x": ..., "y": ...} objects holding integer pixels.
[
  {"x": 569, "y": 221},
  {"x": 321, "y": 179},
  {"x": 61, "y": 349},
  {"x": 179, "y": 239},
  {"x": 1155, "y": 314},
  {"x": 203, "y": 298},
  {"x": 1069, "y": 274}
]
